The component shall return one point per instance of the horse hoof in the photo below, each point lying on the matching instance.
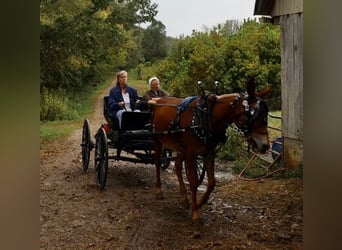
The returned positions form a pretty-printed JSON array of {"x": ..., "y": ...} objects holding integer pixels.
[
  {"x": 159, "y": 196},
  {"x": 197, "y": 223}
]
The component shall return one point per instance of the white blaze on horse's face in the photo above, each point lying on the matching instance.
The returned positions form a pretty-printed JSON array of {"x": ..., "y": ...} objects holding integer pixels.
[
  {"x": 260, "y": 142},
  {"x": 258, "y": 134}
]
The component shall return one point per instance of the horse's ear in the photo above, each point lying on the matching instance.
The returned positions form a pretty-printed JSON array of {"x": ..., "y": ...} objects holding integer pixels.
[{"x": 265, "y": 91}]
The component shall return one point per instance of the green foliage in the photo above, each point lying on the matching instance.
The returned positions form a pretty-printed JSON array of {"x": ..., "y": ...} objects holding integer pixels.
[
  {"x": 254, "y": 51},
  {"x": 154, "y": 42},
  {"x": 55, "y": 106},
  {"x": 234, "y": 147},
  {"x": 82, "y": 42},
  {"x": 229, "y": 54}
]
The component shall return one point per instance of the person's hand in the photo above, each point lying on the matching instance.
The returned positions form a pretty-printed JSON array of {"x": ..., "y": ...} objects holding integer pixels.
[
  {"x": 151, "y": 101},
  {"x": 121, "y": 104}
]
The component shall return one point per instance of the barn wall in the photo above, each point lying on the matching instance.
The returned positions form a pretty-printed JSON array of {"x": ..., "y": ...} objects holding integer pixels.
[
  {"x": 284, "y": 7},
  {"x": 292, "y": 88}
]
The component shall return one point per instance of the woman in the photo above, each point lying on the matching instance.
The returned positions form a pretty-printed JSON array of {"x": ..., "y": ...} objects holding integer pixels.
[
  {"x": 154, "y": 93},
  {"x": 122, "y": 97}
]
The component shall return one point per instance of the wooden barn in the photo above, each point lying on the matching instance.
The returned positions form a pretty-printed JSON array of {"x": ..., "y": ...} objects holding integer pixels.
[{"x": 289, "y": 15}]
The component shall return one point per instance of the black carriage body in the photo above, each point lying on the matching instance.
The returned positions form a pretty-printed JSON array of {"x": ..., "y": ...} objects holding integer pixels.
[{"x": 134, "y": 136}]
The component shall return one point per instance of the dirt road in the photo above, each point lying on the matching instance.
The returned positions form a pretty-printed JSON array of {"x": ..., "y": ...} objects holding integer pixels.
[{"x": 125, "y": 215}]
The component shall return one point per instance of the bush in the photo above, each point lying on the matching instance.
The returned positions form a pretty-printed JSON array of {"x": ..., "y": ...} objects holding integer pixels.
[
  {"x": 55, "y": 106},
  {"x": 234, "y": 146}
]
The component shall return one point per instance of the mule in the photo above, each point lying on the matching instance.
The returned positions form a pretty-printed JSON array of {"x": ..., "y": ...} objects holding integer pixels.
[{"x": 199, "y": 128}]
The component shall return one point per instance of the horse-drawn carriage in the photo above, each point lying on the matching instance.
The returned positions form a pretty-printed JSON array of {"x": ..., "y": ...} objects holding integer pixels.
[{"x": 191, "y": 127}]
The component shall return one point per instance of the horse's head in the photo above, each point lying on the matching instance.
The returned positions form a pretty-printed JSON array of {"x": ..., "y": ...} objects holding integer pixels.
[{"x": 251, "y": 117}]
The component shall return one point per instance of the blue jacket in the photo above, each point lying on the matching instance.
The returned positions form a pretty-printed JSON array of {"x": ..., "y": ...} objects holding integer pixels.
[{"x": 115, "y": 97}]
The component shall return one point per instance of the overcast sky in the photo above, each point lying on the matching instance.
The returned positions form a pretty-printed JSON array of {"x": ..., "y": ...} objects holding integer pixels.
[{"x": 183, "y": 16}]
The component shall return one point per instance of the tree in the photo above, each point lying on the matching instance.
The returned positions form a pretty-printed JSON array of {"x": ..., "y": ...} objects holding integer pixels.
[
  {"x": 154, "y": 42},
  {"x": 82, "y": 41},
  {"x": 230, "y": 54}
]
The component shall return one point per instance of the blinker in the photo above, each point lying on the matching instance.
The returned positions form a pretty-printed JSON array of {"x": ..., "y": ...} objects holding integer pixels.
[{"x": 245, "y": 104}]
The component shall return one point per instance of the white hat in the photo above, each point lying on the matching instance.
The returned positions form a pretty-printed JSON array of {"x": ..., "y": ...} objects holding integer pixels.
[{"x": 152, "y": 79}]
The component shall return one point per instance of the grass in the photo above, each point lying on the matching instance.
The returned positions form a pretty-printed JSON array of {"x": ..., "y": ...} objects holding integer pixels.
[
  {"x": 56, "y": 130},
  {"x": 140, "y": 85},
  {"x": 255, "y": 169},
  {"x": 274, "y": 124}
]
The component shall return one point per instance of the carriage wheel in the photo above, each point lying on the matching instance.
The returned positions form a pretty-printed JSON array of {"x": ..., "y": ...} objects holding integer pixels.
[
  {"x": 165, "y": 158},
  {"x": 86, "y": 145},
  {"x": 200, "y": 169},
  {"x": 101, "y": 158}
]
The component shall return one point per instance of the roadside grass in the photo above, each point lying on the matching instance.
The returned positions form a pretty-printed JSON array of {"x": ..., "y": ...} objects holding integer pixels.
[
  {"x": 84, "y": 104},
  {"x": 56, "y": 130}
]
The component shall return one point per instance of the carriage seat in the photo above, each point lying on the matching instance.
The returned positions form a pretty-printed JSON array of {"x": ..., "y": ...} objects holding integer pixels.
[{"x": 130, "y": 120}]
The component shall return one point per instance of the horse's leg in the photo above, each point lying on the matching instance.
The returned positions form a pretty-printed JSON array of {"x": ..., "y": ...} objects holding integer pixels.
[
  {"x": 157, "y": 162},
  {"x": 178, "y": 168},
  {"x": 209, "y": 162},
  {"x": 190, "y": 164}
]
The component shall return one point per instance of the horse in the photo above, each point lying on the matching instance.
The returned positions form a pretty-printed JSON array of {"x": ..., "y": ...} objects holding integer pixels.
[{"x": 200, "y": 127}]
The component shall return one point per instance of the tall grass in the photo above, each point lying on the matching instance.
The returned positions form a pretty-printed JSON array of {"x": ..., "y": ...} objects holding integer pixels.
[{"x": 81, "y": 105}]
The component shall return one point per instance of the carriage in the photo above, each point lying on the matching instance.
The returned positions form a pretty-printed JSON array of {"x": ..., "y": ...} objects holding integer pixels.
[
  {"x": 192, "y": 127},
  {"x": 133, "y": 142}
]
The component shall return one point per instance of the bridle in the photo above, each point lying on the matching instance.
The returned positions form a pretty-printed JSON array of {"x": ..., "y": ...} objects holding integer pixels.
[{"x": 202, "y": 126}]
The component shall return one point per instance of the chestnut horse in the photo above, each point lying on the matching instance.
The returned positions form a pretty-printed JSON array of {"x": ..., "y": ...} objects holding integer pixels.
[{"x": 200, "y": 127}]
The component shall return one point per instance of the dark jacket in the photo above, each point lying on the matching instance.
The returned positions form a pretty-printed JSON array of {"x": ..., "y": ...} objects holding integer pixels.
[
  {"x": 151, "y": 94},
  {"x": 115, "y": 97}
]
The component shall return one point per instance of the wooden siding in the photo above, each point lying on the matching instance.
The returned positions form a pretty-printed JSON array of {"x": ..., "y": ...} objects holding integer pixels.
[
  {"x": 277, "y": 7},
  {"x": 283, "y": 7},
  {"x": 291, "y": 27}
]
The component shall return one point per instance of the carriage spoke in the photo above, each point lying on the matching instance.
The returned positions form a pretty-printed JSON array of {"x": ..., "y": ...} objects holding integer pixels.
[{"x": 101, "y": 158}]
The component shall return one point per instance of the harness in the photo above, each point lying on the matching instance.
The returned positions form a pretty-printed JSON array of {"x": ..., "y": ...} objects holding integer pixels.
[{"x": 200, "y": 122}]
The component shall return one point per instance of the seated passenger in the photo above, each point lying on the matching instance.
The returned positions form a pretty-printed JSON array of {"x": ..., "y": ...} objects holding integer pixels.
[
  {"x": 154, "y": 93},
  {"x": 122, "y": 97}
]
